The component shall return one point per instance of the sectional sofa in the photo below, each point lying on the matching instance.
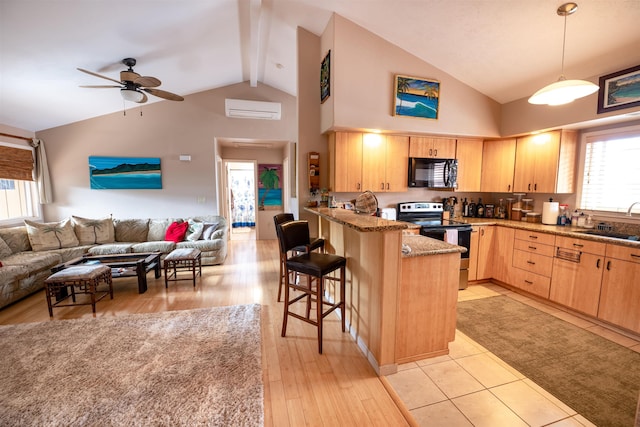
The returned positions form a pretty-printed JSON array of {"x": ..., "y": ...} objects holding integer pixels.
[{"x": 28, "y": 252}]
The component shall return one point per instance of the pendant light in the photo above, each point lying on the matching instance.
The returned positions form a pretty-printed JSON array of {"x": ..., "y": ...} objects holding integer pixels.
[{"x": 563, "y": 91}]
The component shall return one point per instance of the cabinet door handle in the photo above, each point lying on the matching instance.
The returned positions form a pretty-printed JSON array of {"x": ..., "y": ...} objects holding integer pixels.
[
  {"x": 382, "y": 185},
  {"x": 535, "y": 187},
  {"x": 531, "y": 262},
  {"x": 430, "y": 151},
  {"x": 388, "y": 186},
  {"x": 608, "y": 265},
  {"x": 635, "y": 256},
  {"x": 508, "y": 187},
  {"x": 577, "y": 245},
  {"x": 533, "y": 237},
  {"x": 529, "y": 187},
  {"x": 533, "y": 248},
  {"x": 482, "y": 231},
  {"x": 528, "y": 282},
  {"x": 358, "y": 186},
  {"x": 598, "y": 263}
]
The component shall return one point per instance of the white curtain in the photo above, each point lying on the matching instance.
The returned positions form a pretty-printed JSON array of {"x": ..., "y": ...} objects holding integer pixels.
[{"x": 41, "y": 172}]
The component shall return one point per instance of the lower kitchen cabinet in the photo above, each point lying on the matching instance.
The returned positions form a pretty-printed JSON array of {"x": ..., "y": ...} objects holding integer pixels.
[
  {"x": 620, "y": 294},
  {"x": 481, "y": 252},
  {"x": 577, "y": 274},
  {"x": 533, "y": 262},
  {"x": 503, "y": 239}
]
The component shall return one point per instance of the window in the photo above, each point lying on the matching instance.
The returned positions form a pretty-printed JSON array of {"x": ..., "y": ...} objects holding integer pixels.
[
  {"x": 610, "y": 178},
  {"x": 18, "y": 197}
]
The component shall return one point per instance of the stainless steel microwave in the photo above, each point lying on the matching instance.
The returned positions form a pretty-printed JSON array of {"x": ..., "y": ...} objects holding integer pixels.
[{"x": 433, "y": 173}]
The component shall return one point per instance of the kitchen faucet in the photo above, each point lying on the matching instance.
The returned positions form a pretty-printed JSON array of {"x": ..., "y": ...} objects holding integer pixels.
[{"x": 630, "y": 207}]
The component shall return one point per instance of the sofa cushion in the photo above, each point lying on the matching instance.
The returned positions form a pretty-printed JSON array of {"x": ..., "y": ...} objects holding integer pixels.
[
  {"x": 131, "y": 230},
  {"x": 195, "y": 230},
  {"x": 158, "y": 228},
  {"x": 203, "y": 245},
  {"x": 51, "y": 235},
  {"x": 161, "y": 246},
  {"x": 17, "y": 238},
  {"x": 34, "y": 262},
  {"x": 92, "y": 231},
  {"x": 5, "y": 250},
  {"x": 176, "y": 231},
  {"x": 111, "y": 249}
]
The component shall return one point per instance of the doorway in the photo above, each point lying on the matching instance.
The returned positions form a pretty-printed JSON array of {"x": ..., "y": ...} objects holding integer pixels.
[{"x": 241, "y": 199}]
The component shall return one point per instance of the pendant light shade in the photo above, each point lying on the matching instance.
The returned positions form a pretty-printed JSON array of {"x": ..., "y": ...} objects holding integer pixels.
[
  {"x": 563, "y": 91},
  {"x": 131, "y": 95}
]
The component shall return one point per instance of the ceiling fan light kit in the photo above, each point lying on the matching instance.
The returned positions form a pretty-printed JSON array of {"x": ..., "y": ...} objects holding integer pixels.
[
  {"x": 133, "y": 85},
  {"x": 563, "y": 91}
]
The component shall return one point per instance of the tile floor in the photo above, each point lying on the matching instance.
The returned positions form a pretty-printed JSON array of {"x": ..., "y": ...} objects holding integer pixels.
[{"x": 472, "y": 387}]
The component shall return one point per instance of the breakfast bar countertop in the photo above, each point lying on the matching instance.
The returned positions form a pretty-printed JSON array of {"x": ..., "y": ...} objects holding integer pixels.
[{"x": 359, "y": 222}]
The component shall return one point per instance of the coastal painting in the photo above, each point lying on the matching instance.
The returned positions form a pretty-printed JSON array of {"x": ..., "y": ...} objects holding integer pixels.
[
  {"x": 125, "y": 173},
  {"x": 269, "y": 187},
  {"x": 619, "y": 90},
  {"x": 416, "y": 97}
]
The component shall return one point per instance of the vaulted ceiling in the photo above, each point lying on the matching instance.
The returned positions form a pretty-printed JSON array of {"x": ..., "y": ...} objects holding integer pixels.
[{"x": 506, "y": 49}]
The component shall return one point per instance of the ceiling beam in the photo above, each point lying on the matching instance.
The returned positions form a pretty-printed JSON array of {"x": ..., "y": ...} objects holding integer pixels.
[{"x": 255, "y": 16}]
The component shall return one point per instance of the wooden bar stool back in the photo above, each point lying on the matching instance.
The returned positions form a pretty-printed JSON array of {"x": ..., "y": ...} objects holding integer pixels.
[
  {"x": 294, "y": 234},
  {"x": 282, "y": 218}
]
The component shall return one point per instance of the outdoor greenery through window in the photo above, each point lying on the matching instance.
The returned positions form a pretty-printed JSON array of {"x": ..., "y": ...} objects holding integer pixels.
[{"x": 611, "y": 178}]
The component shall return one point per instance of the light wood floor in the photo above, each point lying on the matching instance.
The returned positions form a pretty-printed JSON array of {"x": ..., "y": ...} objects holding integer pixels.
[{"x": 301, "y": 387}]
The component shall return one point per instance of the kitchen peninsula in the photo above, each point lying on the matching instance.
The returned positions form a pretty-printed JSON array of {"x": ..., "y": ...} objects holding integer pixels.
[{"x": 401, "y": 287}]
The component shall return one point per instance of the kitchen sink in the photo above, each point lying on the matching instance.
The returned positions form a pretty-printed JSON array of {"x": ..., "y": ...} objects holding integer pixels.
[{"x": 612, "y": 234}]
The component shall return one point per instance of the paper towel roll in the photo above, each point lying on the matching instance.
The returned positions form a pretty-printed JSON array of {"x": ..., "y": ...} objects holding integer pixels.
[{"x": 550, "y": 212}]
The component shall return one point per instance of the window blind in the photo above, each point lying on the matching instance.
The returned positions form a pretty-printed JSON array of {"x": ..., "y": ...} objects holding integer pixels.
[
  {"x": 16, "y": 163},
  {"x": 611, "y": 180}
]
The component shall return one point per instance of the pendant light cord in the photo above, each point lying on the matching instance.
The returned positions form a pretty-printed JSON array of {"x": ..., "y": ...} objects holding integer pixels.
[{"x": 564, "y": 41}]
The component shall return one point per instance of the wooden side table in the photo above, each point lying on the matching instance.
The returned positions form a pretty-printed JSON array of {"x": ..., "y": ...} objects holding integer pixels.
[{"x": 81, "y": 279}]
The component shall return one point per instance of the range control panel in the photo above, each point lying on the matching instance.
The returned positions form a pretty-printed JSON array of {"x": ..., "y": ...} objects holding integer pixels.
[{"x": 415, "y": 207}]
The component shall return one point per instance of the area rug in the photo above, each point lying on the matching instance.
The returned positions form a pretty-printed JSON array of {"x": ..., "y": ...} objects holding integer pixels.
[
  {"x": 181, "y": 368},
  {"x": 594, "y": 376}
]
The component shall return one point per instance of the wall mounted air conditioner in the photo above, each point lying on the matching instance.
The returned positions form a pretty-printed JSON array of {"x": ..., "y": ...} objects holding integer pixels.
[{"x": 244, "y": 109}]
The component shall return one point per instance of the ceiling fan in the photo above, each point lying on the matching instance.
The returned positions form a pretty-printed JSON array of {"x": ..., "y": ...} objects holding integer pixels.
[{"x": 132, "y": 85}]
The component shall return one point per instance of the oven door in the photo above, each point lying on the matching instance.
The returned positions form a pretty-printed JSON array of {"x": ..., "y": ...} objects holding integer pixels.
[{"x": 439, "y": 233}]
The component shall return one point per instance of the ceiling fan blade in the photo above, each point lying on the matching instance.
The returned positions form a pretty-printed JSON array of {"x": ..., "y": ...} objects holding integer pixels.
[
  {"x": 147, "y": 81},
  {"x": 100, "y": 86},
  {"x": 128, "y": 76},
  {"x": 97, "y": 75},
  {"x": 164, "y": 94}
]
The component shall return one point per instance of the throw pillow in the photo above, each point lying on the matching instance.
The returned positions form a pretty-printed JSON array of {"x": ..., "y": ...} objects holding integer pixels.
[
  {"x": 5, "y": 250},
  {"x": 93, "y": 231},
  {"x": 194, "y": 231},
  {"x": 51, "y": 235},
  {"x": 176, "y": 231},
  {"x": 209, "y": 228}
]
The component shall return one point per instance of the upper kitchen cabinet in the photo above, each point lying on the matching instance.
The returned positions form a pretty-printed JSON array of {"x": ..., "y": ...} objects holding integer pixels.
[
  {"x": 545, "y": 163},
  {"x": 345, "y": 161},
  {"x": 375, "y": 162},
  {"x": 432, "y": 147},
  {"x": 469, "y": 155},
  {"x": 498, "y": 162}
]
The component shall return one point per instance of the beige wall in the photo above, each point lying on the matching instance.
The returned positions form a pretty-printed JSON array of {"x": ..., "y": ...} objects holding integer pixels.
[
  {"x": 166, "y": 130},
  {"x": 363, "y": 70}
]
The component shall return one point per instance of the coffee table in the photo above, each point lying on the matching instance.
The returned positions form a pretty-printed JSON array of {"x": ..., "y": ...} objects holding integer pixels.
[{"x": 122, "y": 265}]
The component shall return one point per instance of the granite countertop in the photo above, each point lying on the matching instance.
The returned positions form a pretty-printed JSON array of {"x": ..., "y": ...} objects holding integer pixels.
[
  {"x": 359, "y": 222},
  {"x": 559, "y": 230},
  {"x": 421, "y": 246}
]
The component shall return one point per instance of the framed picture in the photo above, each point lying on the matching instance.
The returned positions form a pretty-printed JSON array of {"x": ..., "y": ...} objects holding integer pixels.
[
  {"x": 619, "y": 90},
  {"x": 325, "y": 77},
  {"x": 269, "y": 187},
  {"x": 124, "y": 173},
  {"x": 416, "y": 97}
]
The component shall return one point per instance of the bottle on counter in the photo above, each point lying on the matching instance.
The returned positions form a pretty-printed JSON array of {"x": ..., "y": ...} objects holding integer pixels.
[
  {"x": 472, "y": 208},
  {"x": 582, "y": 220},
  {"x": 465, "y": 208},
  {"x": 500, "y": 210},
  {"x": 480, "y": 209},
  {"x": 574, "y": 218}
]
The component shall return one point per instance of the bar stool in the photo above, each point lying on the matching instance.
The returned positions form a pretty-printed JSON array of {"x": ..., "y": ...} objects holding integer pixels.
[
  {"x": 282, "y": 218},
  {"x": 294, "y": 234}
]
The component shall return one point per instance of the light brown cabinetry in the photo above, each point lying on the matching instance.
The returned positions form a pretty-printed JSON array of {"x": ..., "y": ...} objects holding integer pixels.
[
  {"x": 502, "y": 250},
  {"x": 498, "y": 162},
  {"x": 434, "y": 147},
  {"x": 620, "y": 293},
  {"x": 577, "y": 274},
  {"x": 360, "y": 162},
  {"x": 532, "y": 261},
  {"x": 545, "y": 163},
  {"x": 481, "y": 252},
  {"x": 345, "y": 162},
  {"x": 469, "y": 155}
]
